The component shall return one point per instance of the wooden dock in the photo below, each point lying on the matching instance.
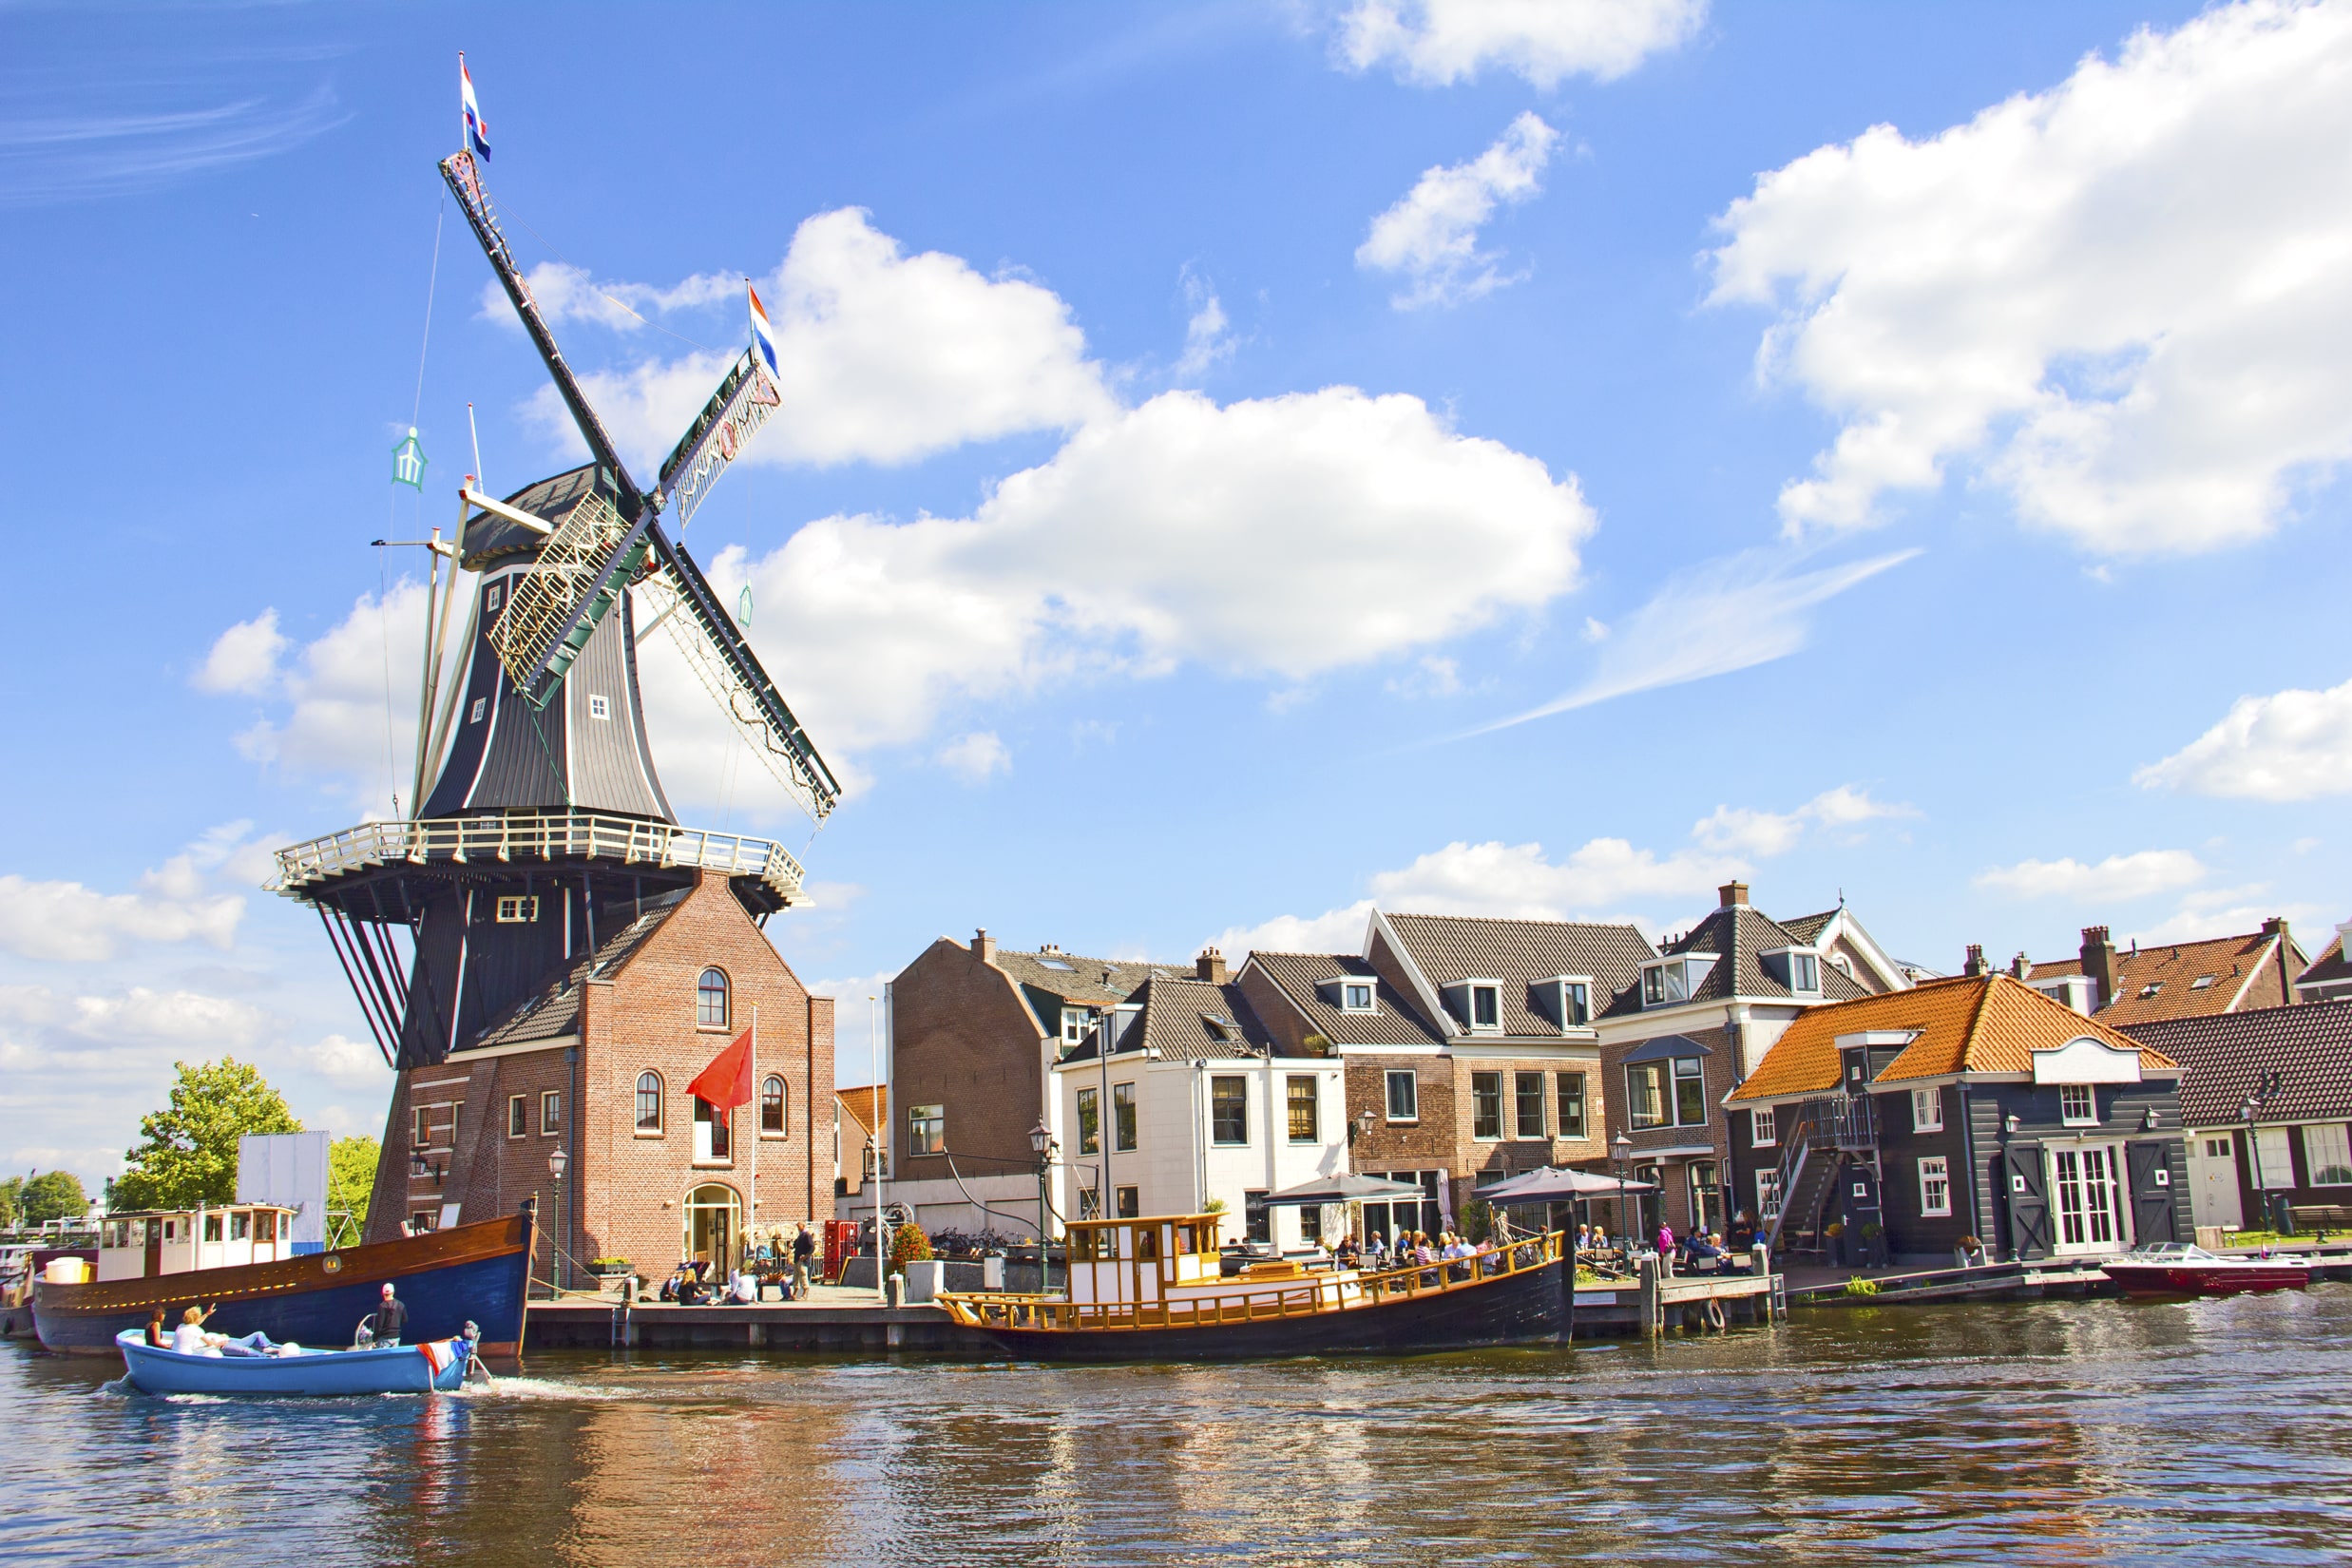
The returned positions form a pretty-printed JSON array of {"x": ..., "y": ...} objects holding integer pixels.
[
  {"x": 1650, "y": 1305},
  {"x": 2038, "y": 1280}
]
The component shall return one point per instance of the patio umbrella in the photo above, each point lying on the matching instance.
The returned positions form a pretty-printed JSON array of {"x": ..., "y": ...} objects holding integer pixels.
[
  {"x": 1342, "y": 1189},
  {"x": 1554, "y": 1186}
]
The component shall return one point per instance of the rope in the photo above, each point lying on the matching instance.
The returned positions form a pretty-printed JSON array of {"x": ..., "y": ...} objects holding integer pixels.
[{"x": 431, "y": 283}]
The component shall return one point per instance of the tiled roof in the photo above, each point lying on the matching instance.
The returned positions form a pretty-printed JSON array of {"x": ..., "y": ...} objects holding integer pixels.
[
  {"x": 859, "y": 1102},
  {"x": 1192, "y": 1021},
  {"x": 1079, "y": 978},
  {"x": 552, "y": 1009},
  {"x": 1809, "y": 928},
  {"x": 2174, "y": 971},
  {"x": 2221, "y": 1055},
  {"x": 1397, "y": 1020},
  {"x": 2329, "y": 969},
  {"x": 1739, "y": 935},
  {"x": 1979, "y": 1023},
  {"x": 1520, "y": 952}
]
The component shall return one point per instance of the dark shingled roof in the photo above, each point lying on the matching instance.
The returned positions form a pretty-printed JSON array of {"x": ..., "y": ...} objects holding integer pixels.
[
  {"x": 1739, "y": 935},
  {"x": 1520, "y": 952},
  {"x": 1189, "y": 1021},
  {"x": 490, "y": 537},
  {"x": 1809, "y": 928},
  {"x": 1397, "y": 1020},
  {"x": 2222, "y": 1055},
  {"x": 551, "y": 1011},
  {"x": 2330, "y": 968},
  {"x": 1075, "y": 977}
]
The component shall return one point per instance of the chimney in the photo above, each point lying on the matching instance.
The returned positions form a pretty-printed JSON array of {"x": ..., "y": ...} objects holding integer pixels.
[
  {"x": 2020, "y": 967},
  {"x": 1210, "y": 967},
  {"x": 2276, "y": 925},
  {"x": 1975, "y": 960},
  {"x": 1734, "y": 894},
  {"x": 984, "y": 946},
  {"x": 2098, "y": 962}
]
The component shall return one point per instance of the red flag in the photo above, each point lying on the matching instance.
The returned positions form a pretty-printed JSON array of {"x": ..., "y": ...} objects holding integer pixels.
[{"x": 727, "y": 1081}]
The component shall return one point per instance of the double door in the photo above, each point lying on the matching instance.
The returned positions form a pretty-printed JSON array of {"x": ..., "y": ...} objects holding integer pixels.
[{"x": 2088, "y": 1198}]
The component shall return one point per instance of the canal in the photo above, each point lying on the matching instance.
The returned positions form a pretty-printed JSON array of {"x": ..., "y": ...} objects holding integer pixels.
[{"x": 2072, "y": 1432}]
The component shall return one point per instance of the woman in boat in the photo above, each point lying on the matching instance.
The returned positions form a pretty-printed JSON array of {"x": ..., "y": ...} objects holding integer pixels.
[{"x": 157, "y": 1338}]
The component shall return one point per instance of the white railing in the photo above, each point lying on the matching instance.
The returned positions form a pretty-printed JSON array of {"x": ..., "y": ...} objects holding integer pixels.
[{"x": 540, "y": 836}]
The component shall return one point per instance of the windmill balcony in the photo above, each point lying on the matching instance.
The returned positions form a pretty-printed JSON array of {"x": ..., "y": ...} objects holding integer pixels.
[{"x": 303, "y": 869}]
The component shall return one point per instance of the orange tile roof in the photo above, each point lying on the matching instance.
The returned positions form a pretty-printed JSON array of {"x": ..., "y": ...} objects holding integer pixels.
[
  {"x": 1971, "y": 1024},
  {"x": 2243, "y": 970},
  {"x": 859, "y": 1102}
]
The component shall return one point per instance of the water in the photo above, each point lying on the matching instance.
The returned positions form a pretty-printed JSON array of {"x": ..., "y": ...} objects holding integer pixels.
[{"x": 2078, "y": 1432}]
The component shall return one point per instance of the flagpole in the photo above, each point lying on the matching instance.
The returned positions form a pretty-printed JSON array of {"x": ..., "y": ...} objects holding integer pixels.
[{"x": 757, "y": 1126}]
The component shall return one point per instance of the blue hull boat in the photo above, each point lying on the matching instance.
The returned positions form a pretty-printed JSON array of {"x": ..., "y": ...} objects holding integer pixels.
[{"x": 313, "y": 1374}]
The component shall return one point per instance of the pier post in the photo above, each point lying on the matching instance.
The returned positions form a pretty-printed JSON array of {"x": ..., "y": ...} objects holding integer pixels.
[{"x": 1652, "y": 1311}]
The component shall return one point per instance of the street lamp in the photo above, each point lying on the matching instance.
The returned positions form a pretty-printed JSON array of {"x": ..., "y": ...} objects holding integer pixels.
[
  {"x": 1619, "y": 1153},
  {"x": 556, "y": 1162},
  {"x": 1042, "y": 1144}
]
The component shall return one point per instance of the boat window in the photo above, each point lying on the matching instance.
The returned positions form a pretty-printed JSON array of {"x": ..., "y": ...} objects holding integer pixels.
[
  {"x": 1147, "y": 1244},
  {"x": 240, "y": 1226},
  {"x": 212, "y": 1227}
]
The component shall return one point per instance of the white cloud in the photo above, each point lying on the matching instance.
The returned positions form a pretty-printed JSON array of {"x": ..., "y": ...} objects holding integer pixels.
[
  {"x": 243, "y": 658},
  {"x": 1437, "y": 42},
  {"x": 1338, "y": 930},
  {"x": 1518, "y": 881},
  {"x": 1208, "y": 335},
  {"x": 1744, "y": 830},
  {"x": 2225, "y": 911},
  {"x": 79, "y": 156},
  {"x": 854, "y": 1041},
  {"x": 350, "y": 700},
  {"x": 568, "y": 294},
  {"x": 1730, "y": 614},
  {"x": 2124, "y": 298},
  {"x": 2291, "y": 745},
  {"x": 346, "y": 1062},
  {"x": 2117, "y": 877},
  {"x": 885, "y": 358},
  {"x": 64, "y": 922},
  {"x": 976, "y": 758},
  {"x": 1430, "y": 237}
]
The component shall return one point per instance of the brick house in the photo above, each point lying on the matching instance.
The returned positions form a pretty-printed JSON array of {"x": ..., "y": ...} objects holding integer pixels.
[
  {"x": 1972, "y": 1106},
  {"x": 1692, "y": 1025},
  {"x": 2267, "y": 1098},
  {"x": 973, "y": 1031},
  {"x": 2121, "y": 987},
  {"x": 594, "y": 1060},
  {"x": 1469, "y": 1046},
  {"x": 2328, "y": 977}
]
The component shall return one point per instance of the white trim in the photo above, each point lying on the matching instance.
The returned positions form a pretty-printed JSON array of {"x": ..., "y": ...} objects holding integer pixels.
[
  {"x": 2087, "y": 1059},
  {"x": 483, "y": 1053},
  {"x": 2253, "y": 972},
  {"x": 1433, "y": 1004}
]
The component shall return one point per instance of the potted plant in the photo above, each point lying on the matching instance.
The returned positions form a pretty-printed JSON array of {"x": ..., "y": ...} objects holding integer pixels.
[
  {"x": 608, "y": 1270},
  {"x": 910, "y": 1254},
  {"x": 1968, "y": 1253},
  {"x": 1835, "y": 1234}
]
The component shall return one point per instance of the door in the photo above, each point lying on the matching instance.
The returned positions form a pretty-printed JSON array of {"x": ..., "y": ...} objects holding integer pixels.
[
  {"x": 2029, "y": 1201},
  {"x": 2213, "y": 1181},
  {"x": 1866, "y": 1235},
  {"x": 155, "y": 1247},
  {"x": 2087, "y": 1182},
  {"x": 2149, "y": 1167}
]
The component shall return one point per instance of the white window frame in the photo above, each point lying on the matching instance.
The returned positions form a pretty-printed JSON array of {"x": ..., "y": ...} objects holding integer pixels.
[
  {"x": 927, "y": 1129},
  {"x": 1768, "y": 1195},
  {"x": 1411, "y": 1080},
  {"x": 1575, "y": 1002},
  {"x": 552, "y": 1113},
  {"x": 2335, "y": 1160},
  {"x": 1927, "y": 1110},
  {"x": 1936, "y": 1187},
  {"x": 2068, "y": 1115},
  {"x": 600, "y": 706},
  {"x": 1495, "y": 1136},
  {"x": 481, "y": 706},
  {"x": 1358, "y": 995},
  {"x": 1764, "y": 1127},
  {"x": 1074, "y": 1024},
  {"x": 517, "y": 909},
  {"x": 518, "y": 1116},
  {"x": 2274, "y": 1159},
  {"x": 1675, "y": 1078}
]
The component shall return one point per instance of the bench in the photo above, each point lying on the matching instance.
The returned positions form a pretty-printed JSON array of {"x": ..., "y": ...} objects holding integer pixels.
[{"x": 2320, "y": 1217}]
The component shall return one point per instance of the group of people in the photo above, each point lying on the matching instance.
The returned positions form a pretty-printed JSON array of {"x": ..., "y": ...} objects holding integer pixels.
[
  {"x": 1410, "y": 1248},
  {"x": 1694, "y": 1252},
  {"x": 381, "y": 1329},
  {"x": 689, "y": 1284}
]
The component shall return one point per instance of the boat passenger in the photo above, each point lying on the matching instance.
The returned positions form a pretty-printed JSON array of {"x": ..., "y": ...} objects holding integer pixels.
[
  {"x": 189, "y": 1339},
  {"x": 157, "y": 1338},
  {"x": 391, "y": 1317}
]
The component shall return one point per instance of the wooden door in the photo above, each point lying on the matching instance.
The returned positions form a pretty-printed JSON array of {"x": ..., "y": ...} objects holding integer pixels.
[
  {"x": 2149, "y": 1167},
  {"x": 154, "y": 1265},
  {"x": 2029, "y": 1201}
]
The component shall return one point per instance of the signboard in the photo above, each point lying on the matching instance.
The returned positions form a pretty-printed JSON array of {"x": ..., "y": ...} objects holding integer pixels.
[
  {"x": 290, "y": 1170},
  {"x": 730, "y": 419}
]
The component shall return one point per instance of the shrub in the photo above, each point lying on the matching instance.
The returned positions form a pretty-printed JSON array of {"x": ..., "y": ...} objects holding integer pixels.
[
  {"x": 909, "y": 1245},
  {"x": 1861, "y": 1287}
]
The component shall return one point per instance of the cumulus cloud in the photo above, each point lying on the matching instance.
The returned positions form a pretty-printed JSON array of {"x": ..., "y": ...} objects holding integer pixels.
[
  {"x": 1429, "y": 239},
  {"x": 346, "y": 703},
  {"x": 1746, "y": 830},
  {"x": 1208, "y": 334},
  {"x": 976, "y": 758},
  {"x": 243, "y": 658},
  {"x": 568, "y": 294},
  {"x": 884, "y": 357},
  {"x": 1437, "y": 42},
  {"x": 346, "y": 1062},
  {"x": 2124, "y": 300},
  {"x": 64, "y": 922},
  {"x": 1339, "y": 930},
  {"x": 2117, "y": 877},
  {"x": 1519, "y": 881},
  {"x": 1726, "y": 615},
  {"x": 2291, "y": 745}
]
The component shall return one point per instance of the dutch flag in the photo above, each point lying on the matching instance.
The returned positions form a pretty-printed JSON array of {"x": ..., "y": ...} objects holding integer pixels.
[
  {"x": 477, "y": 137},
  {"x": 763, "y": 336}
]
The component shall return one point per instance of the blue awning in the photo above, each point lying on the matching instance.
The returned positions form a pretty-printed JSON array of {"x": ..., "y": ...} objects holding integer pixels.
[{"x": 1664, "y": 1047}]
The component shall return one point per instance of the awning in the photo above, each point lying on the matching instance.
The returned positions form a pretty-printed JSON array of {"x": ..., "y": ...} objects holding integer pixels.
[
  {"x": 1666, "y": 1047},
  {"x": 1551, "y": 1186},
  {"x": 1343, "y": 1188}
]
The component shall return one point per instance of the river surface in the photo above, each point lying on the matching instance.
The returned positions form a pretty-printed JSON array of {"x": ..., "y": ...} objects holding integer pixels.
[{"x": 2073, "y": 1432}]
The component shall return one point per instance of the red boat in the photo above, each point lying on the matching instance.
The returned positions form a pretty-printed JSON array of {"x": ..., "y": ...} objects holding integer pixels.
[{"x": 2178, "y": 1268}]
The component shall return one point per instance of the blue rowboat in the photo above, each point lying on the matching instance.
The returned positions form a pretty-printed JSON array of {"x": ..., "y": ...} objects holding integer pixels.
[{"x": 396, "y": 1369}]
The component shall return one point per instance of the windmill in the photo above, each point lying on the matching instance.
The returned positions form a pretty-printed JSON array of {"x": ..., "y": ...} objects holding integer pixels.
[{"x": 543, "y": 827}]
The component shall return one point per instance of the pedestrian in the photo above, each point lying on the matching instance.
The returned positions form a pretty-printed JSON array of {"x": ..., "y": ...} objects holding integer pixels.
[
  {"x": 804, "y": 1248},
  {"x": 1666, "y": 1249},
  {"x": 391, "y": 1317}
]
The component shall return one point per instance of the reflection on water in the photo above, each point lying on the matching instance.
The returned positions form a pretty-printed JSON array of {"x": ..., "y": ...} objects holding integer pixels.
[{"x": 2065, "y": 1432}]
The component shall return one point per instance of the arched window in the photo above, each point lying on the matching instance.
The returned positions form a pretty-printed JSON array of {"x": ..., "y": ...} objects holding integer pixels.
[
  {"x": 710, "y": 999},
  {"x": 771, "y": 1104},
  {"x": 649, "y": 1102}
]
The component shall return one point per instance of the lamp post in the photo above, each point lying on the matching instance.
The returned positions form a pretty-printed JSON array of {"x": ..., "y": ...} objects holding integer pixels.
[
  {"x": 1620, "y": 1151},
  {"x": 556, "y": 1162},
  {"x": 1042, "y": 1144}
]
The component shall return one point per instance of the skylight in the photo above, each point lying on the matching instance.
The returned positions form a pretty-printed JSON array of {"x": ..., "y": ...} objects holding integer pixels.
[
  {"x": 1051, "y": 963},
  {"x": 2151, "y": 989},
  {"x": 2201, "y": 983}
]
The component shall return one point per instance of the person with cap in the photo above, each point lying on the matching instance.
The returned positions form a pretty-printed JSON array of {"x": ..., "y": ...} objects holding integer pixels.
[{"x": 391, "y": 1317}]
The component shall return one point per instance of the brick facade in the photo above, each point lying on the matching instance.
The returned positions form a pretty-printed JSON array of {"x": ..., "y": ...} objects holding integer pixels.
[
  {"x": 624, "y": 1192},
  {"x": 962, "y": 1038}
]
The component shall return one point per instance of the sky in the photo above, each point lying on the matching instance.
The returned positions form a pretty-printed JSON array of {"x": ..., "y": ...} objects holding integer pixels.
[{"x": 1239, "y": 463}]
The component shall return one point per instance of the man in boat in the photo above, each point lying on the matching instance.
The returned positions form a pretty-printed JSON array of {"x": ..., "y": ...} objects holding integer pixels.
[{"x": 391, "y": 1317}]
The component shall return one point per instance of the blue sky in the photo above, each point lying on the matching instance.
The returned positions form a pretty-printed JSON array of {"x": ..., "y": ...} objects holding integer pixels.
[{"x": 1241, "y": 461}]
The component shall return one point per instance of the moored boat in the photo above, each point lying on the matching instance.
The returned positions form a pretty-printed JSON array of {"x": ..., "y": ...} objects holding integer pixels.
[
  {"x": 310, "y": 1375},
  {"x": 1151, "y": 1289},
  {"x": 475, "y": 1273},
  {"x": 2177, "y": 1267}
]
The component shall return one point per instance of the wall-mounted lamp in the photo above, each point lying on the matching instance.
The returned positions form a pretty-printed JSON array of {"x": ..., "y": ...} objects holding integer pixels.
[
  {"x": 1361, "y": 1125},
  {"x": 2009, "y": 1124},
  {"x": 2149, "y": 1122}
]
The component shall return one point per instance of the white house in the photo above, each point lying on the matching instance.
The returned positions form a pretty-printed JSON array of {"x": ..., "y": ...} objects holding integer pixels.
[{"x": 1192, "y": 1104}]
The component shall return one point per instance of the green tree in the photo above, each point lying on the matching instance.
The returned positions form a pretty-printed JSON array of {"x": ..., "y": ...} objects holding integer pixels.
[
  {"x": 11, "y": 1202},
  {"x": 54, "y": 1194},
  {"x": 189, "y": 1156},
  {"x": 350, "y": 1177}
]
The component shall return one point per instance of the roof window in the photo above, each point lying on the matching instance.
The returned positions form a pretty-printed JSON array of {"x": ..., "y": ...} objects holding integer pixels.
[
  {"x": 2201, "y": 983},
  {"x": 1220, "y": 1028},
  {"x": 1051, "y": 963},
  {"x": 1356, "y": 996},
  {"x": 2151, "y": 989}
]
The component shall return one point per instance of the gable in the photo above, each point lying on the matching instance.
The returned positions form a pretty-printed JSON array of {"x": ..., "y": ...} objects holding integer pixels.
[{"x": 2085, "y": 1059}]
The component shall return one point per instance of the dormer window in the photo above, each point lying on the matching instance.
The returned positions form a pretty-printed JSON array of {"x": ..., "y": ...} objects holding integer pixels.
[
  {"x": 1799, "y": 968},
  {"x": 1567, "y": 1000},
  {"x": 1486, "y": 1007},
  {"x": 1672, "y": 980},
  {"x": 1356, "y": 996}
]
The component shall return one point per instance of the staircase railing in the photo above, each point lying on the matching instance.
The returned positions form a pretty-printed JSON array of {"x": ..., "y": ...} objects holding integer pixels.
[{"x": 1819, "y": 1130}]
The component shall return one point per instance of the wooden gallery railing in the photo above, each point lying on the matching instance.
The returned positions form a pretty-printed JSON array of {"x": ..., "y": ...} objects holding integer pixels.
[{"x": 1306, "y": 1297}]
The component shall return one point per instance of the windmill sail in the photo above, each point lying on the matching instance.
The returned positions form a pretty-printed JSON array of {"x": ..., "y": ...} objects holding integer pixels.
[{"x": 746, "y": 396}]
